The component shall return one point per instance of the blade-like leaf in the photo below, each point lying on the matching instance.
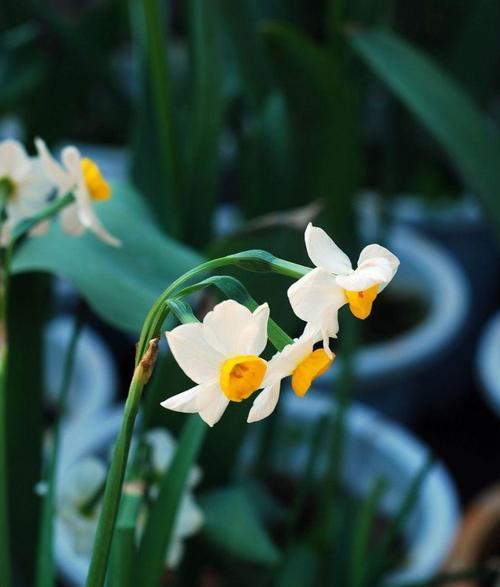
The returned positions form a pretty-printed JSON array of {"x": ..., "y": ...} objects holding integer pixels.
[
  {"x": 447, "y": 112},
  {"x": 120, "y": 283},
  {"x": 232, "y": 525},
  {"x": 162, "y": 516}
]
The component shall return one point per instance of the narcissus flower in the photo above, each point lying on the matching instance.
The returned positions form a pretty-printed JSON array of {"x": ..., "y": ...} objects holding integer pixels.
[
  {"x": 82, "y": 177},
  {"x": 317, "y": 297},
  {"x": 221, "y": 355},
  {"x": 24, "y": 187},
  {"x": 299, "y": 361}
]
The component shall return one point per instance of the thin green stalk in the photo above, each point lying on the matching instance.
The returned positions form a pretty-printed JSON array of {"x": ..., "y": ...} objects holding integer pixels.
[
  {"x": 45, "y": 575},
  {"x": 111, "y": 499},
  {"x": 51, "y": 210},
  {"x": 5, "y": 549}
]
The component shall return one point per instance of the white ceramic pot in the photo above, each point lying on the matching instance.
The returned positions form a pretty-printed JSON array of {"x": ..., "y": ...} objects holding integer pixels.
[
  {"x": 377, "y": 448},
  {"x": 488, "y": 362},
  {"x": 382, "y": 369},
  {"x": 93, "y": 383}
]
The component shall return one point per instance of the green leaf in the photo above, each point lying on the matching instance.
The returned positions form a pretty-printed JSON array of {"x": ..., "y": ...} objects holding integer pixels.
[
  {"x": 232, "y": 525},
  {"x": 323, "y": 113},
  {"x": 202, "y": 171},
  {"x": 162, "y": 515},
  {"x": 300, "y": 567},
  {"x": 469, "y": 139},
  {"x": 120, "y": 283},
  {"x": 156, "y": 154}
]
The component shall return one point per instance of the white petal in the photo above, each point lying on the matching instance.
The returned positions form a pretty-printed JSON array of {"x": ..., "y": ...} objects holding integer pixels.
[
  {"x": 82, "y": 481},
  {"x": 162, "y": 448},
  {"x": 52, "y": 168},
  {"x": 225, "y": 327},
  {"x": 70, "y": 222},
  {"x": 375, "y": 251},
  {"x": 14, "y": 161},
  {"x": 265, "y": 403},
  {"x": 199, "y": 361},
  {"x": 212, "y": 413},
  {"x": 312, "y": 294},
  {"x": 189, "y": 518},
  {"x": 283, "y": 363},
  {"x": 324, "y": 253},
  {"x": 369, "y": 273},
  {"x": 256, "y": 335},
  {"x": 186, "y": 401},
  {"x": 174, "y": 554}
]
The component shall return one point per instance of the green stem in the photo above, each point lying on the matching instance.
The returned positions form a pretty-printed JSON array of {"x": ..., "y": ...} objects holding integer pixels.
[
  {"x": 45, "y": 576},
  {"x": 5, "y": 550},
  {"x": 51, "y": 210},
  {"x": 114, "y": 483}
]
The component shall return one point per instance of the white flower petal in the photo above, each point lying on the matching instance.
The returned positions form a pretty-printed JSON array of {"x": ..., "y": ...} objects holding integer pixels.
[
  {"x": 265, "y": 403},
  {"x": 375, "y": 251},
  {"x": 162, "y": 448},
  {"x": 324, "y": 253},
  {"x": 256, "y": 334},
  {"x": 200, "y": 361},
  {"x": 52, "y": 168},
  {"x": 371, "y": 272},
  {"x": 70, "y": 222},
  {"x": 189, "y": 519},
  {"x": 212, "y": 410},
  {"x": 186, "y": 401},
  {"x": 312, "y": 294},
  {"x": 174, "y": 554},
  {"x": 283, "y": 363},
  {"x": 225, "y": 326},
  {"x": 82, "y": 481},
  {"x": 15, "y": 163}
]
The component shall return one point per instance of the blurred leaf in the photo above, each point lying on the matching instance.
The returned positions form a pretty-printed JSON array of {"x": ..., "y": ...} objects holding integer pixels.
[
  {"x": 240, "y": 22},
  {"x": 163, "y": 514},
  {"x": 232, "y": 525},
  {"x": 299, "y": 568},
  {"x": 120, "y": 283},
  {"x": 28, "y": 304},
  {"x": 205, "y": 122},
  {"x": 476, "y": 56},
  {"x": 443, "y": 108},
  {"x": 325, "y": 129},
  {"x": 156, "y": 158}
]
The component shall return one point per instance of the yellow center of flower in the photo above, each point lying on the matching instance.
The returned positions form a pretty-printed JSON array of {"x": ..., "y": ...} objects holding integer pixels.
[
  {"x": 97, "y": 186},
  {"x": 312, "y": 366},
  {"x": 241, "y": 376},
  {"x": 361, "y": 302}
]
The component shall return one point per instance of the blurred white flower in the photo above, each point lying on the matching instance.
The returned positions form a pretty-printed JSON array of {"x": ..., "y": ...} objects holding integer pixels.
[
  {"x": 80, "y": 493},
  {"x": 82, "y": 177},
  {"x": 317, "y": 297},
  {"x": 221, "y": 355},
  {"x": 80, "y": 485},
  {"x": 298, "y": 360},
  {"x": 24, "y": 185}
]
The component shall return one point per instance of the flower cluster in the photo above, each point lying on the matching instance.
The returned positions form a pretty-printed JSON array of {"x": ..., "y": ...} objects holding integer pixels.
[
  {"x": 222, "y": 353},
  {"x": 80, "y": 492},
  {"x": 28, "y": 185}
]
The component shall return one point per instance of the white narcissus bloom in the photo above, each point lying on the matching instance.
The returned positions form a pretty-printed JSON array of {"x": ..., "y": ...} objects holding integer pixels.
[
  {"x": 82, "y": 177},
  {"x": 189, "y": 516},
  {"x": 80, "y": 485},
  {"x": 83, "y": 483},
  {"x": 298, "y": 360},
  {"x": 26, "y": 185},
  {"x": 317, "y": 297},
  {"x": 221, "y": 355}
]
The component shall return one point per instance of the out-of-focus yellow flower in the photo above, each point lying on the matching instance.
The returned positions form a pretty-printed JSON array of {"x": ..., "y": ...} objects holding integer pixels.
[{"x": 82, "y": 177}]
